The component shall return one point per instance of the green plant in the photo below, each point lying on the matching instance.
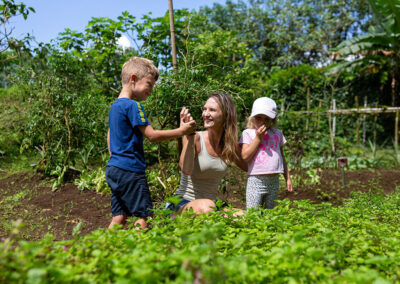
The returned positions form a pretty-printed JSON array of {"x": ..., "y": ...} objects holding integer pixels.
[
  {"x": 313, "y": 176},
  {"x": 95, "y": 180},
  {"x": 59, "y": 172},
  {"x": 163, "y": 181},
  {"x": 356, "y": 242}
]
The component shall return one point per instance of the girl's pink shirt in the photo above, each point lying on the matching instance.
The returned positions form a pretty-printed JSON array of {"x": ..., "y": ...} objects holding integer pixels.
[{"x": 268, "y": 158}]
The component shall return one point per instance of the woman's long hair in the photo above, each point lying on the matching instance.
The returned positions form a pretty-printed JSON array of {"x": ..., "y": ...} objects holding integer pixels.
[{"x": 228, "y": 142}]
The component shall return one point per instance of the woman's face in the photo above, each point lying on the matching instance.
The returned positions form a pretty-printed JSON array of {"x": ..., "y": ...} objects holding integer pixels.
[
  {"x": 261, "y": 119},
  {"x": 212, "y": 114}
]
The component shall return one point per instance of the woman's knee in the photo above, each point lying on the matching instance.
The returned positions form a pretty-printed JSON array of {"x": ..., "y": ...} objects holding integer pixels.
[{"x": 201, "y": 206}]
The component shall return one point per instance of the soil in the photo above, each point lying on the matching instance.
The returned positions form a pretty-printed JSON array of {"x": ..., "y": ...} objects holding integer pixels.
[{"x": 28, "y": 196}]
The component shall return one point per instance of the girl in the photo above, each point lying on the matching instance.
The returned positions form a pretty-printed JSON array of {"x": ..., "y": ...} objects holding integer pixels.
[{"x": 261, "y": 145}]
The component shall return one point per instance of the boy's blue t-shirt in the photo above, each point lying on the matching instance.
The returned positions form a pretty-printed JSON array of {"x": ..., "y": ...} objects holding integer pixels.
[{"x": 126, "y": 140}]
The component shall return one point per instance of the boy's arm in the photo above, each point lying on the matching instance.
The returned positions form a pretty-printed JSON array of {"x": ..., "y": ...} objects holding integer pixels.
[
  {"x": 187, "y": 126},
  {"x": 164, "y": 135},
  {"x": 186, "y": 159},
  {"x": 108, "y": 141},
  {"x": 286, "y": 173}
]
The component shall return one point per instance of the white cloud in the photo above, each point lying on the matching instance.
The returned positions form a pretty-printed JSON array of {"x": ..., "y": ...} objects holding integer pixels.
[{"x": 124, "y": 42}]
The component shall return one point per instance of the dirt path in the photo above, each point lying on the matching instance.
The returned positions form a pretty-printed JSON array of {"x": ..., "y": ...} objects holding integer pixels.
[{"x": 28, "y": 196}]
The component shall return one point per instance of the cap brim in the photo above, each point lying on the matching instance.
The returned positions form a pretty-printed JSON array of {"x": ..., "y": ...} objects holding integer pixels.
[{"x": 270, "y": 114}]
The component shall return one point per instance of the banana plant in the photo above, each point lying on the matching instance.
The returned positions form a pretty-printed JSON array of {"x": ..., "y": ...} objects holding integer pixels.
[{"x": 379, "y": 49}]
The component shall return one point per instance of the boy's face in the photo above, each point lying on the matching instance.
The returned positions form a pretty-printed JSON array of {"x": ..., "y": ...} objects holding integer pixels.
[{"x": 142, "y": 88}]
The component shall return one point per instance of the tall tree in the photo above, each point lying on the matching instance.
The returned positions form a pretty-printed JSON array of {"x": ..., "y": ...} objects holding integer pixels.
[
  {"x": 9, "y": 9},
  {"x": 289, "y": 32}
]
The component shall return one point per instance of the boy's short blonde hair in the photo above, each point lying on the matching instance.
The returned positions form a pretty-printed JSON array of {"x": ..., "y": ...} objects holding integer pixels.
[{"x": 139, "y": 66}]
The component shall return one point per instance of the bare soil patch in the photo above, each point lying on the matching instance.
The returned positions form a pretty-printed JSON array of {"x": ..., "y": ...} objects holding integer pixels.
[{"x": 28, "y": 196}]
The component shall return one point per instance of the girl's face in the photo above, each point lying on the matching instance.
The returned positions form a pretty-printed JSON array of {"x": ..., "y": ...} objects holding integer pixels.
[
  {"x": 261, "y": 119},
  {"x": 212, "y": 114}
]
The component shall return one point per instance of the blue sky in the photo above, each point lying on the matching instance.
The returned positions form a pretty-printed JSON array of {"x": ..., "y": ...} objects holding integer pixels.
[{"x": 53, "y": 16}]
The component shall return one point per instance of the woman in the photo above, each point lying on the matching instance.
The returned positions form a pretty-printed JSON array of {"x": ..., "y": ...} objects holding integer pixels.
[{"x": 205, "y": 156}]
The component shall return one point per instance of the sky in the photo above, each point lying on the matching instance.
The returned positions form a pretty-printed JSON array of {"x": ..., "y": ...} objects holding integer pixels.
[{"x": 54, "y": 16}]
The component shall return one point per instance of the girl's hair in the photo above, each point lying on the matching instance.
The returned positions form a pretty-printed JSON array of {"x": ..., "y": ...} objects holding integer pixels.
[
  {"x": 139, "y": 66},
  {"x": 250, "y": 123},
  {"x": 228, "y": 142}
]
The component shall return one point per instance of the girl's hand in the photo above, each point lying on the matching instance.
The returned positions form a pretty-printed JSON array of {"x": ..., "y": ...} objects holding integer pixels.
[
  {"x": 261, "y": 131},
  {"x": 289, "y": 185}
]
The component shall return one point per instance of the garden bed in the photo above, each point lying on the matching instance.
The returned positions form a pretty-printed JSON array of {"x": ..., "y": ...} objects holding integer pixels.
[{"x": 28, "y": 196}]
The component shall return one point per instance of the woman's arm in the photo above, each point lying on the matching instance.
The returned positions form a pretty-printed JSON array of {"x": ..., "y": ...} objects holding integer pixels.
[
  {"x": 186, "y": 160},
  {"x": 242, "y": 164},
  {"x": 286, "y": 173}
]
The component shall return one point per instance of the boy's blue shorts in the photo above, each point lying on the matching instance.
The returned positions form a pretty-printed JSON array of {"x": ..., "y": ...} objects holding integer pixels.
[{"x": 130, "y": 194}]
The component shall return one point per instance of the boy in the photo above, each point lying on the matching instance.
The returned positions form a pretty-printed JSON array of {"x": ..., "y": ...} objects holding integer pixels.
[{"x": 125, "y": 172}]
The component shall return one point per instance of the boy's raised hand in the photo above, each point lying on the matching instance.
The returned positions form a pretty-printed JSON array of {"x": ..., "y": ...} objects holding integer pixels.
[{"x": 187, "y": 124}]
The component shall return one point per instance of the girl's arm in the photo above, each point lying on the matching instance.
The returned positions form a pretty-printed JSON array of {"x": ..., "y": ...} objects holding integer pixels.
[
  {"x": 186, "y": 160},
  {"x": 248, "y": 150},
  {"x": 286, "y": 173}
]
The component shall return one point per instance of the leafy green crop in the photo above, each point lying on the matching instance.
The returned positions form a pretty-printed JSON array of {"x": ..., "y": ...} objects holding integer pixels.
[{"x": 298, "y": 242}]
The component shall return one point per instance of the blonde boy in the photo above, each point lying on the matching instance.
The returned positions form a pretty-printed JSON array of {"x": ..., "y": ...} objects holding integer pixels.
[{"x": 125, "y": 172}]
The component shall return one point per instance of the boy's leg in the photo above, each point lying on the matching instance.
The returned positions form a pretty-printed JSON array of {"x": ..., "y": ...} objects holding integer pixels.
[
  {"x": 141, "y": 223},
  {"x": 114, "y": 176},
  {"x": 118, "y": 220}
]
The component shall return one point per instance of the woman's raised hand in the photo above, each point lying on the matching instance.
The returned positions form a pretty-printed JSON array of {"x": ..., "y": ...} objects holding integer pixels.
[{"x": 188, "y": 124}]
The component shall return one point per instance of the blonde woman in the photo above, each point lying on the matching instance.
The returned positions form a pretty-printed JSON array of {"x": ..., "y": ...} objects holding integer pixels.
[{"x": 206, "y": 155}]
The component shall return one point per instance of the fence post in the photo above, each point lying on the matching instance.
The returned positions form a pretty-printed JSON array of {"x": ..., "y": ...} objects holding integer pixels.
[
  {"x": 320, "y": 106},
  {"x": 396, "y": 131},
  {"x": 375, "y": 120},
  {"x": 308, "y": 107},
  {"x": 357, "y": 124},
  {"x": 364, "y": 122},
  {"x": 333, "y": 128}
]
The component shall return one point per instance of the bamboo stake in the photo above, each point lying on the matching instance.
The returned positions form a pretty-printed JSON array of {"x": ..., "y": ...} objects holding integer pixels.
[
  {"x": 371, "y": 110},
  {"x": 319, "y": 117},
  {"x": 375, "y": 120},
  {"x": 308, "y": 107},
  {"x": 364, "y": 122},
  {"x": 333, "y": 128},
  {"x": 172, "y": 29},
  {"x": 357, "y": 124},
  {"x": 396, "y": 131}
]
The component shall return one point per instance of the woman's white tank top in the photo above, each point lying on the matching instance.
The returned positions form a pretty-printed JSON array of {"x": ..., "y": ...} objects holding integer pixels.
[{"x": 206, "y": 176}]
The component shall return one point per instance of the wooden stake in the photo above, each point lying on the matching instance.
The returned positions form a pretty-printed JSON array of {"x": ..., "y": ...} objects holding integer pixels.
[
  {"x": 319, "y": 117},
  {"x": 375, "y": 120},
  {"x": 364, "y": 122},
  {"x": 308, "y": 107},
  {"x": 396, "y": 131},
  {"x": 172, "y": 29},
  {"x": 357, "y": 124},
  {"x": 333, "y": 127}
]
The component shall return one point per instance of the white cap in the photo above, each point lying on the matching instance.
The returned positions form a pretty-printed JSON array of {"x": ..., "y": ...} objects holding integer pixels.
[{"x": 264, "y": 106}]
